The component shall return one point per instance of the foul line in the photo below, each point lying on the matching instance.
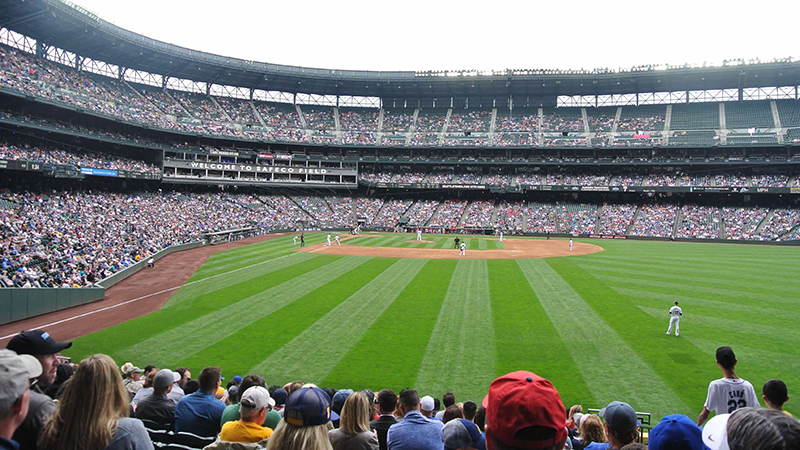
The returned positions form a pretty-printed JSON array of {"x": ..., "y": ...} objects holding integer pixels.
[{"x": 89, "y": 313}]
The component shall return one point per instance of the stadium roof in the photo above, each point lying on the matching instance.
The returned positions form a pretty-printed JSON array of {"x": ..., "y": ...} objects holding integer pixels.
[{"x": 77, "y": 30}]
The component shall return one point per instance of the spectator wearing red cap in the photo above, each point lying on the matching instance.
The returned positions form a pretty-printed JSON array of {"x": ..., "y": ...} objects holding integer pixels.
[
  {"x": 44, "y": 348},
  {"x": 524, "y": 411}
]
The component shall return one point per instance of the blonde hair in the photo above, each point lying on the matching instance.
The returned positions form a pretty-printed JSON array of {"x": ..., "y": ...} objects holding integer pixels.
[
  {"x": 292, "y": 437},
  {"x": 591, "y": 430},
  {"x": 355, "y": 414},
  {"x": 87, "y": 414},
  {"x": 574, "y": 409}
]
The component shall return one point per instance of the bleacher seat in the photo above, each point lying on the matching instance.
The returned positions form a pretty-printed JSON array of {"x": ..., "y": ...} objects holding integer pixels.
[
  {"x": 748, "y": 115},
  {"x": 695, "y": 116}
]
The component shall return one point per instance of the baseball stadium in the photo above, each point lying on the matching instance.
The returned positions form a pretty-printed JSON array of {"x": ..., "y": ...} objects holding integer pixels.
[{"x": 372, "y": 230}]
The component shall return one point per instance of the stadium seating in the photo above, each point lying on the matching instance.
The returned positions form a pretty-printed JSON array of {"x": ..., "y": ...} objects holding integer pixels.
[{"x": 695, "y": 116}]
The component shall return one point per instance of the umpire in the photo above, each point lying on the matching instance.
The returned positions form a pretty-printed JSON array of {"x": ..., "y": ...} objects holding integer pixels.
[{"x": 457, "y": 241}]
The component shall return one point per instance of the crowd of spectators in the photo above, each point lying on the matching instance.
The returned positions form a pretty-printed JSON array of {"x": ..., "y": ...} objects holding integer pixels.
[
  {"x": 449, "y": 214},
  {"x": 470, "y": 121},
  {"x": 616, "y": 219},
  {"x": 240, "y": 111},
  {"x": 637, "y": 124},
  {"x": 699, "y": 222},
  {"x": 341, "y": 210},
  {"x": 51, "y": 155},
  {"x": 358, "y": 138},
  {"x": 557, "y": 122},
  {"x": 366, "y": 120},
  {"x": 510, "y": 216},
  {"x": 321, "y": 120},
  {"x": 396, "y": 122},
  {"x": 421, "y": 212},
  {"x": 577, "y": 218},
  {"x": 742, "y": 223},
  {"x": 368, "y": 208},
  {"x": 655, "y": 221},
  {"x": 480, "y": 214},
  {"x": 521, "y": 123},
  {"x": 390, "y": 214},
  {"x": 541, "y": 218}
]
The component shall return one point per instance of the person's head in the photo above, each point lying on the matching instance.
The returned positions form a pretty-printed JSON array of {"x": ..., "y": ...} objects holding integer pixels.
[
  {"x": 306, "y": 415},
  {"x": 41, "y": 346},
  {"x": 134, "y": 373},
  {"x": 15, "y": 377},
  {"x": 408, "y": 400},
  {"x": 255, "y": 404},
  {"x": 426, "y": 406},
  {"x": 251, "y": 380},
  {"x": 387, "y": 400},
  {"x": 148, "y": 369},
  {"x": 469, "y": 409},
  {"x": 752, "y": 429},
  {"x": 726, "y": 359},
  {"x": 775, "y": 394},
  {"x": 480, "y": 418},
  {"x": 89, "y": 408},
  {"x": 572, "y": 410},
  {"x": 676, "y": 432},
  {"x": 148, "y": 381},
  {"x": 676, "y": 303},
  {"x": 523, "y": 410},
  {"x": 621, "y": 424},
  {"x": 355, "y": 414},
  {"x": 191, "y": 387},
  {"x": 591, "y": 430},
  {"x": 452, "y": 412},
  {"x": 634, "y": 446},
  {"x": 279, "y": 395},
  {"x": 186, "y": 375},
  {"x": 291, "y": 387},
  {"x": 210, "y": 379},
  {"x": 448, "y": 399},
  {"x": 163, "y": 381},
  {"x": 337, "y": 403},
  {"x": 461, "y": 434}
]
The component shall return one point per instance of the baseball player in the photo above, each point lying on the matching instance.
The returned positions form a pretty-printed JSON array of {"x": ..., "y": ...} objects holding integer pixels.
[
  {"x": 463, "y": 249},
  {"x": 329, "y": 240},
  {"x": 336, "y": 238},
  {"x": 294, "y": 240},
  {"x": 501, "y": 235},
  {"x": 570, "y": 244},
  {"x": 419, "y": 234},
  {"x": 675, "y": 314}
]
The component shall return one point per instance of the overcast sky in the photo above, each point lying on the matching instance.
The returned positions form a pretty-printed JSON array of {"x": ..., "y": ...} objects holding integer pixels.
[{"x": 434, "y": 35}]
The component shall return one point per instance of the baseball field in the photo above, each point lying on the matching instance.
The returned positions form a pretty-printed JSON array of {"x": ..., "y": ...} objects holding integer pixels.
[{"x": 593, "y": 322}]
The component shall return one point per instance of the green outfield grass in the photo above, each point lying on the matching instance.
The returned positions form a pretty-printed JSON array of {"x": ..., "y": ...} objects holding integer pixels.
[{"x": 594, "y": 324}]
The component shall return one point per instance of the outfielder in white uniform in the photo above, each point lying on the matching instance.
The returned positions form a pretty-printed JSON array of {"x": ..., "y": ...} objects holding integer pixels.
[
  {"x": 419, "y": 235},
  {"x": 463, "y": 249},
  {"x": 337, "y": 240},
  {"x": 570, "y": 244},
  {"x": 295, "y": 239},
  {"x": 329, "y": 240},
  {"x": 675, "y": 318},
  {"x": 501, "y": 235}
]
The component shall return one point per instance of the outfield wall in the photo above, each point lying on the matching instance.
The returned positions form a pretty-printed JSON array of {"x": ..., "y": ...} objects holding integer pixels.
[{"x": 18, "y": 304}]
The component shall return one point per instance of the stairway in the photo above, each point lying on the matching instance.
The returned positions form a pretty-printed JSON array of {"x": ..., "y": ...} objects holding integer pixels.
[{"x": 633, "y": 221}]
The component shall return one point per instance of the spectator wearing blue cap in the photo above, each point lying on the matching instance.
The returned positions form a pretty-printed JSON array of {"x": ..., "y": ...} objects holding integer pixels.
[
  {"x": 676, "y": 432},
  {"x": 306, "y": 414}
]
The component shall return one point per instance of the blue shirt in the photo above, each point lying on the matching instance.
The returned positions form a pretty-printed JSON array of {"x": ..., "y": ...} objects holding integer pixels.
[
  {"x": 415, "y": 432},
  {"x": 598, "y": 446},
  {"x": 6, "y": 444},
  {"x": 199, "y": 413}
]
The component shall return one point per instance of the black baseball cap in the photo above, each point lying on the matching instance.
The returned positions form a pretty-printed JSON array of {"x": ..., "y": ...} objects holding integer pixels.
[
  {"x": 36, "y": 342},
  {"x": 726, "y": 357}
]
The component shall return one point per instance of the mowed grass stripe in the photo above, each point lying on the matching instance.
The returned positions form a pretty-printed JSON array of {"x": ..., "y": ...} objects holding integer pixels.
[
  {"x": 695, "y": 288},
  {"x": 713, "y": 320},
  {"x": 259, "y": 339},
  {"x": 644, "y": 337},
  {"x": 712, "y": 278},
  {"x": 742, "y": 273},
  {"x": 525, "y": 339},
  {"x": 482, "y": 244},
  {"x": 679, "y": 291},
  {"x": 235, "y": 278},
  {"x": 210, "y": 269},
  {"x": 780, "y": 317},
  {"x": 313, "y": 353},
  {"x": 460, "y": 350},
  {"x": 601, "y": 348},
  {"x": 204, "y": 331},
  {"x": 283, "y": 243},
  {"x": 112, "y": 339},
  {"x": 394, "y": 343}
]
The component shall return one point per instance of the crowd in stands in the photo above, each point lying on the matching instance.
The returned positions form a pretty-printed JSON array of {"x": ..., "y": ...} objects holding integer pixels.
[
  {"x": 742, "y": 223},
  {"x": 541, "y": 218},
  {"x": 699, "y": 222},
  {"x": 366, "y": 120},
  {"x": 510, "y": 216},
  {"x": 421, "y": 212},
  {"x": 368, "y": 208},
  {"x": 577, "y": 218},
  {"x": 655, "y": 221},
  {"x": 449, "y": 214},
  {"x": 616, "y": 219},
  {"x": 396, "y": 122},
  {"x": 470, "y": 121},
  {"x": 390, "y": 214},
  {"x": 98, "y": 404},
  {"x": 51, "y": 155},
  {"x": 480, "y": 215}
]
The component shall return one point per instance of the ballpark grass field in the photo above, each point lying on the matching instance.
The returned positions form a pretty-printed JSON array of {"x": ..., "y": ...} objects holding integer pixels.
[{"x": 594, "y": 325}]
